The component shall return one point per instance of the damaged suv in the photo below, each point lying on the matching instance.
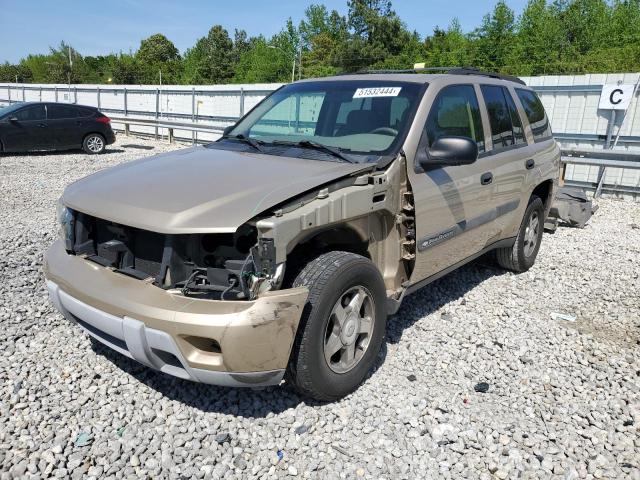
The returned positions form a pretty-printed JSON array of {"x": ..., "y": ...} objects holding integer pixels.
[{"x": 280, "y": 249}]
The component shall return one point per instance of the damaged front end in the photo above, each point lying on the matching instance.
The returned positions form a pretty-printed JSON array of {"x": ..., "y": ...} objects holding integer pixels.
[{"x": 214, "y": 266}]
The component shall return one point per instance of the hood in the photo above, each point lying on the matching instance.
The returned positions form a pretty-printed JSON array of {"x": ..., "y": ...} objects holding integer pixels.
[{"x": 198, "y": 189}]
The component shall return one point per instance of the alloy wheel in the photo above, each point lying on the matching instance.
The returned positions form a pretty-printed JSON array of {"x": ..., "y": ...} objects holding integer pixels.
[{"x": 349, "y": 329}]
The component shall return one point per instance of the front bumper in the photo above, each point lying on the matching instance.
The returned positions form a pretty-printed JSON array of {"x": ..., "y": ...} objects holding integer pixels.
[{"x": 230, "y": 343}]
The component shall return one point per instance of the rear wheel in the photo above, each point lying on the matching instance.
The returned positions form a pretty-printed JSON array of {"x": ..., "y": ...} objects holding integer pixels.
[
  {"x": 522, "y": 255},
  {"x": 342, "y": 326},
  {"x": 94, "y": 143}
]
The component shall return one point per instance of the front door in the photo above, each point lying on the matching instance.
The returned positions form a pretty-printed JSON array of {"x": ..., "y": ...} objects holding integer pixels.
[
  {"x": 452, "y": 204},
  {"x": 27, "y": 129}
]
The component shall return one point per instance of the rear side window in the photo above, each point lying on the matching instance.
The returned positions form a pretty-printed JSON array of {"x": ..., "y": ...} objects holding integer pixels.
[
  {"x": 516, "y": 121},
  {"x": 85, "y": 112},
  {"x": 59, "y": 112},
  {"x": 35, "y": 112},
  {"x": 535, "y": 114},
  {"x": 506, "y": 126},
  {"x": 455, "y": 112}
]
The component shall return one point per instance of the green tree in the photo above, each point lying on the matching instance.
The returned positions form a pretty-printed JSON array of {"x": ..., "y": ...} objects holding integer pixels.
[
  {"x": 157, "y": 49},
  {"x": 211, "y": 60},
  {"x": 378, "y": 38},
  {"x": 321, "y": 34},
  {"x": 494, "y": 40},
  {"x": 448, "y": 47},
  {"x": 15, "y": 73},
  {"x": 158, "y": 54},
  {"x": 125, "y": 70},
  {"x": 541, "y": 44},
  {"x": 262, "y": 63}
]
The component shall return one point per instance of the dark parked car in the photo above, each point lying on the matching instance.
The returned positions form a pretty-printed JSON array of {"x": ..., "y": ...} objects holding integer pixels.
[{"x": 53, "y": 126}]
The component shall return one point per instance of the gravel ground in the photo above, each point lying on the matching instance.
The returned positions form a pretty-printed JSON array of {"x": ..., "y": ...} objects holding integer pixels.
[{"x": 563, "y": 397}]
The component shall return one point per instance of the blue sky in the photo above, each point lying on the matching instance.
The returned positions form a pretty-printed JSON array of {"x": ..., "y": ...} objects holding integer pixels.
[{"x": 93, "y": 28}]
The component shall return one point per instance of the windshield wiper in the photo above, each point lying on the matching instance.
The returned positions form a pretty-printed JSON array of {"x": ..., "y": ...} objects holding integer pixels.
[
  {"x": 334, "y": 151},
  {"x": 248, "y": 140}
]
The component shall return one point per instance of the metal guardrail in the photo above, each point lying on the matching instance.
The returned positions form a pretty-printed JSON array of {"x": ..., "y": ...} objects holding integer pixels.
[
  {"x": 169, "y": 125},
  {"x": 603, "y": 159}
]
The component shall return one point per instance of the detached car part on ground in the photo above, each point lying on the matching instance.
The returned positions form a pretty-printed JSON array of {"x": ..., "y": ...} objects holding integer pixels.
[{"x": 281, "y": 249}]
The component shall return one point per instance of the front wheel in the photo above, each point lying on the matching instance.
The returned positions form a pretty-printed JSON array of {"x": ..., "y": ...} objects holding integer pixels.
[
  {"x": 342, "y": 326},
  {"x": 93, "y": 144},
  {"x": 522, "y": 255}
]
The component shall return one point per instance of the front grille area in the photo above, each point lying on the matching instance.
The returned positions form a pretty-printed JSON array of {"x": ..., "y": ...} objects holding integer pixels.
[
  {"x": 204, "y": 263},
  {"x": 129, "y": 248}
]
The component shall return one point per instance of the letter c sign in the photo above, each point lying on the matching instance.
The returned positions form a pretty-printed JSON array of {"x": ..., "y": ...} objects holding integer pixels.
[
  {"x": 614, "y": 92},
  {"x": 615, "y": 97}
]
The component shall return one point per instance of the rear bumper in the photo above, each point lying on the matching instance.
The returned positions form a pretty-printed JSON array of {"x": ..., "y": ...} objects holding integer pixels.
[
  {"x": 230, "y": 343},
  {"x": 110, "y": 137}
]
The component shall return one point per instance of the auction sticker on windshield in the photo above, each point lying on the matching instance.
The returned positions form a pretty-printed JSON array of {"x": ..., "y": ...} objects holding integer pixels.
[{"x": 377, "y": 92}]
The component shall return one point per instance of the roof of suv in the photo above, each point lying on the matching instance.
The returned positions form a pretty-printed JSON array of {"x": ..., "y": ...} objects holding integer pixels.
[{"x": 417, "y": 77}]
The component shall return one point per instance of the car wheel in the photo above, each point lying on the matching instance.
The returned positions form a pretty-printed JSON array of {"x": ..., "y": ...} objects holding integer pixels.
[
  {"x": 522, "y": 255},
  {"x": 93, "y": 144},
  {"x": 342, "y": 326}
]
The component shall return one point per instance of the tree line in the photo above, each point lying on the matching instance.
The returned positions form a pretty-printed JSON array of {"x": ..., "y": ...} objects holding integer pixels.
[{"x": 559, "y": 37}]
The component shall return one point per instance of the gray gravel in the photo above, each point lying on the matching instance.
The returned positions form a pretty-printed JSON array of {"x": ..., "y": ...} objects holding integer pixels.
[{"x": 563, "y": 398}]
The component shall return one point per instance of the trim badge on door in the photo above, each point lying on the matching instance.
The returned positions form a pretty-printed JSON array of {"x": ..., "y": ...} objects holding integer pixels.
[
  {"x": 467, "y": 225},
  {"x": 441, "y": 237}
]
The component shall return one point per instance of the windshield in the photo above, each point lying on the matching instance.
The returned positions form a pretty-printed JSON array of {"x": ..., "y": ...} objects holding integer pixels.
[{"x": 357, "y": 117}]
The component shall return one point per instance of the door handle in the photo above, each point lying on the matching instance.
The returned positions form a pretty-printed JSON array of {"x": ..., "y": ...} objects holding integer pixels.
[
  {"x": 486, "y": 178},
  {"x": 530, "y": 163},
  {"x": 42, "y": 125}
]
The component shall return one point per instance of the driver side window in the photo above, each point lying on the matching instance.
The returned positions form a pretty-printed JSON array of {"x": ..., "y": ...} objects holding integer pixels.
[
  {"x": 455, "y": 112},
  {"x": 33, "y": 113}
]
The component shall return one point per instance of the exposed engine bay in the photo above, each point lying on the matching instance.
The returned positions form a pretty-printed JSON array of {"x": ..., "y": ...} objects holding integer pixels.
[{"x": 217, "y": 266}]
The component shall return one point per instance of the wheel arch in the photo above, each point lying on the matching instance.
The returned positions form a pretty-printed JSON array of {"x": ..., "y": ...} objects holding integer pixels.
[
  {"x": 544, "y": 191},
  {"x": 346, "y": 237}
]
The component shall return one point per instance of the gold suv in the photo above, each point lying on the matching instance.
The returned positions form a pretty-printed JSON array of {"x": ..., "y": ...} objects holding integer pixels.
[{"x": 280, "y": 249}]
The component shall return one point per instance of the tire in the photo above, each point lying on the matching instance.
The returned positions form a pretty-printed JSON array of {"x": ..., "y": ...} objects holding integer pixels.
[
  {"x": 522, "y": 255},
  {"x": 94, "y": 144},
  {"x": 330, "y": 278}
]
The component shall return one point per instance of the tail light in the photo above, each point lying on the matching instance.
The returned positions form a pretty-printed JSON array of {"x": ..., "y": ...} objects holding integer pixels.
[{"x": 103, "y": 119}]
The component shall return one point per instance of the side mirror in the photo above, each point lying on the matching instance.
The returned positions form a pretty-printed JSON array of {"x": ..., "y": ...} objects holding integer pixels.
[
  {"x": 449, "y": 151},
  {"x": 226, "y": 130}
]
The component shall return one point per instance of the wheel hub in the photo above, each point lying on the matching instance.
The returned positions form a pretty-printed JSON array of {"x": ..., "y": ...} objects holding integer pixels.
[{"x": 350, "y": 330}]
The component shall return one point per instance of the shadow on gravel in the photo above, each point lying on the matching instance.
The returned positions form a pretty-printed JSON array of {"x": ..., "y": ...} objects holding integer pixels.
[
  {"x": 436, "y": 295},
  {"x": 138, "y": 147},
  {"x": 48, "y": 153},
  {"x": 259, "y": 403},
  {"x": 247, "y": 402}
]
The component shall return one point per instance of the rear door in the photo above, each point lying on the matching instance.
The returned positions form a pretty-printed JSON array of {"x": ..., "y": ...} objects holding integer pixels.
[
  {"x": 506, "y": 159},
  {"x": 29, "y": 131},
  {"x": 452, "y": 203},
  {"x": 65, "y": 125}
]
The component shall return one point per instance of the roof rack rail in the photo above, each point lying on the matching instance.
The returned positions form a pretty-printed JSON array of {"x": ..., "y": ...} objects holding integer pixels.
[
  {"x": 475, "y": 71},
  {"x": 447, "y": 70}
]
